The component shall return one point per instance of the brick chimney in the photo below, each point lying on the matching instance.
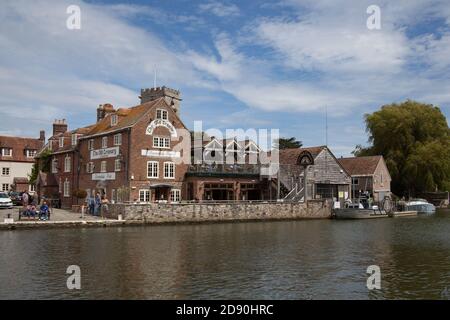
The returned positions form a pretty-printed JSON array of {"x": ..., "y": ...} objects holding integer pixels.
[
  {"x": 172, "y": 96},
  {"x": 59, "y": 126},
  {"x": 42, "y": 136},
  {"x": 103, "y": 110}
]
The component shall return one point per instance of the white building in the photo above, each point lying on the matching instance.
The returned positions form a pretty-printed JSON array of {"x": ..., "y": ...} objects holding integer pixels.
[{"x": 16, "y": 161}]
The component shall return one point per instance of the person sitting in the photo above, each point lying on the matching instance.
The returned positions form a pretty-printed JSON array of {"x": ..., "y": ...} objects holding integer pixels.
[
  {"x": 44, "y": 211},
  {"x": 30, "y": 211}
]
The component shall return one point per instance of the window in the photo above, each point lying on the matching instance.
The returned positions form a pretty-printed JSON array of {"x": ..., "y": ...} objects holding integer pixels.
[
  {"x": 66, "y": 188},
  {"x": 355, "y": 181},
  {"x": 90, "y": 167},
  {"x": 117, "y": 165},
  {"x": 161, "y": 114},
  {"x": 152, "y": 169},
  {"x": 61, "y": 142},
  {"x": 74, "y": 139},
  {"x": 118, "y": 139},
  {"x": 159, "y": 142},
  {"x": 54, "y": 166},
  {"x": 7, "y": 152},
  {"x": 91, "y": 144},
  {"x": 144, "y": 195},
  {"x": 113, "y": 195},
  {"x": 105, "y": 142},
  {"x": 175, "y": 195},
  {"x": 169, "y": 170},
  {"x": 113, "y": 119},
  {"x": 30, "y": 153},
  {"x": 5, "y": 186},
  {"x": 103, "y": 166},
  {"x": 5, "y": 171},
  {"x": 67, "y": 164},
  {"x": 60, "y": 185},
  {"x": 32, "y": 188}
]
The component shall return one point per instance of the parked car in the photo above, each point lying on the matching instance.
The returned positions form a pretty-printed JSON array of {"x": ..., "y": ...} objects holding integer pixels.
[
  {"x": 16, "y": 198},
  {"x": 5, "y": 200}
]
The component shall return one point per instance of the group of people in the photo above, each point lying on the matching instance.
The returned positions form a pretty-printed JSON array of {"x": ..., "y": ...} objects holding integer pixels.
[
  {"x": 30, "y": 207},
  {"x": 97, "y": 205}
]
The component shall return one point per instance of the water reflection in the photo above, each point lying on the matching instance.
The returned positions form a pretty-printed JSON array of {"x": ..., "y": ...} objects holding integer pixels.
[{"x": 275, "y": 260}]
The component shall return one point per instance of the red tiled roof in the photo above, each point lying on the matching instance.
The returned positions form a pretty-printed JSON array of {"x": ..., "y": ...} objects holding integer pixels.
[
  {"x": 290, "y": 156},
  {"x": 126, "y": 117},
  {"x": 360, "y": 165},
  {"x": 18, "y": 146}
]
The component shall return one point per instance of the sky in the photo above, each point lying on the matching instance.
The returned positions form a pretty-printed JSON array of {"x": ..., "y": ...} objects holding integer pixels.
[{"x": 238, "y": 64}]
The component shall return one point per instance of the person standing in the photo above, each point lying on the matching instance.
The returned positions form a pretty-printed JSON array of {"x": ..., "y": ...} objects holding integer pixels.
[
  {"x": 25, "y": 200},
  {"x": 98, "y": 202}
]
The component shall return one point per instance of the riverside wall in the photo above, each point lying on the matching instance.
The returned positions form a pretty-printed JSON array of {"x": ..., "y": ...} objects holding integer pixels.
[{"x": 216, "y": 212}]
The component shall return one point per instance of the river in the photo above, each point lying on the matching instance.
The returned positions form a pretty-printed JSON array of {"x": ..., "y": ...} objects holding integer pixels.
[{"x": 311, "y": 259}]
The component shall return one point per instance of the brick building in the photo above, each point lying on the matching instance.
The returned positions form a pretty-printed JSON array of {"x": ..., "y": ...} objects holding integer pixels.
[{"x": 16, "y": 161}]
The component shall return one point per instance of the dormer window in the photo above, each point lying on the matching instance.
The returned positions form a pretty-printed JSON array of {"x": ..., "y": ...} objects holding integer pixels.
[
  {"x": 113, "y": 119},
  {"x": 30, "y": 153},
  {"x": 162, "y": 114},
  {"x": 7, "y": 152},
  {"x": 61, "y": 142},
  {"x": 74, "y": 139}
]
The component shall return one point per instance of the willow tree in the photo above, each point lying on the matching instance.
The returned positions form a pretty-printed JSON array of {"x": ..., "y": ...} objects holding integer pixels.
[{"x": 414, "y": 139}]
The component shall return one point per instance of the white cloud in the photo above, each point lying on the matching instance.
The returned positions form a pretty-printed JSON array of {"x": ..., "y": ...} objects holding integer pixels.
[{"x": 220, "y": 9}]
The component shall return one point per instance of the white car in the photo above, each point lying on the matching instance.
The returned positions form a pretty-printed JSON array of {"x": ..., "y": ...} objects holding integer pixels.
[{"x": 5, "y": 200}]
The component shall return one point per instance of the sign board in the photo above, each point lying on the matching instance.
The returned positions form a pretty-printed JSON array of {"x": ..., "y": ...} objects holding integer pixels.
[
  {"x": 105, "y": 153},
  {"x": 161, "y": 123},
  {"x": 104, "y": 176},
  {"x": 160, "y": 153}
]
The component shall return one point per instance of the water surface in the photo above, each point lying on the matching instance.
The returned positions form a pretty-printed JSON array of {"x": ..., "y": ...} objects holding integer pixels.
[{"x": 314, "y": 259}]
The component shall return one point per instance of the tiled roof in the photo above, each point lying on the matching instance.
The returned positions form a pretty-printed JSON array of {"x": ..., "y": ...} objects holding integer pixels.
[
  {"x": 126, "y": 117},
  {"x": 290, "y": 156},
  {"x": 18, "y": 145},
  {"x": 360, "y": 165}
]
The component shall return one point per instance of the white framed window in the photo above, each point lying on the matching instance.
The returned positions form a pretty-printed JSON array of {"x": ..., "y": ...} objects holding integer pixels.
[
  {"x": 6, "y": 171},
  {"x": 60, "y": 185},
  {"x": 55, "y": 166},
  {"x": 103, "y": 166},
  {"x": 117, "y": 165},
  {"x": 91, "y": 144},
  {"x": 5, "y": 186},
  {"x": 105, "y": 142},
  {"x": 162, "y": 114},
  {"x": 30, "y": 153},
  {"x": 152, "y": 169},
  {"x": 144, "y": 195},
  {"x": 90, "y": 167},
  {"x": 66, "y": 188},
  {"x": 175, "y": 195},
  {"x": 169, "y": 170},
  {"x": 61, "y": 142},
  {"x": 32, "y": 187},
  {"x": 161, "y": 142},
  {"x": 117, "y": 139},
  {"x": 7, "y": 152},
  {"x": 74, "y": 139},
  {"x": 113, "y": 195},
  {"x": 113, "y": 119},
  {"x": 67, "y": 164}
]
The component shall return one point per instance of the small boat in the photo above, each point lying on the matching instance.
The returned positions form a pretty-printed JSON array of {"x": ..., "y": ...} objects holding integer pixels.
[
  {"x": 357, "y": 213},
  {"x": 421, "y": 206}
]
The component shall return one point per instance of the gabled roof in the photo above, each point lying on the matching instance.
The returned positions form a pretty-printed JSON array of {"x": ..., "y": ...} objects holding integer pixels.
[
  {"x": 290, "y": 156},
  {"x": 127, "y": 117},
  {"x": 19, "y": 144},
  {"x": 360, "y": 165}
]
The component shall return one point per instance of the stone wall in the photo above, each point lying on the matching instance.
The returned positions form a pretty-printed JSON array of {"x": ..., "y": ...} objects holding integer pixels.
[{"x": 207, "y": 212}]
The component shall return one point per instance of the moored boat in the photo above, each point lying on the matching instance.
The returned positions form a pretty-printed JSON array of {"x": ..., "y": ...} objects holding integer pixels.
[
  {"x": 421, "y": 206},
  {"x": 358, "y": 213}
]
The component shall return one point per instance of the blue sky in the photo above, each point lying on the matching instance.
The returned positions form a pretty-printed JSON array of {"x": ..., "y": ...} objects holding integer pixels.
[{"x": 238, "y": 64}]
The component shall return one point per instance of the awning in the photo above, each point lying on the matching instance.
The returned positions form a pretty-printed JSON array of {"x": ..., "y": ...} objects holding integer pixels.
[{"x": 160, "y": 185}]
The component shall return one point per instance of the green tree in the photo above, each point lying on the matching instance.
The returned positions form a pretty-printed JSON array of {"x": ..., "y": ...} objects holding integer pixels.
[
  {"x": 414, "y": 139},
  {"x": 287, "y": 143},
  {"x": 41, "y": 163}
]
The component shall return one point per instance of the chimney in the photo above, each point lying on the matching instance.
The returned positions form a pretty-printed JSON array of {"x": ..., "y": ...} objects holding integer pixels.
[
  {"x": 59, "y": 126},
  {"x": 42, "y": 136},
  {"x": 172, "y": 96},
  {"x": 103, "y": 110}
]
